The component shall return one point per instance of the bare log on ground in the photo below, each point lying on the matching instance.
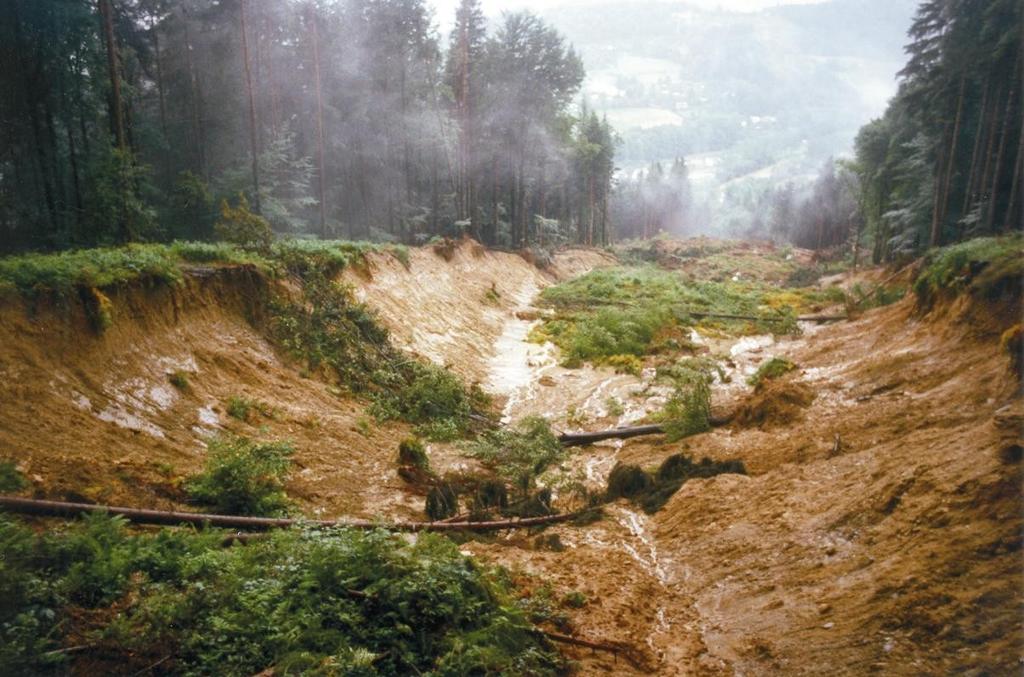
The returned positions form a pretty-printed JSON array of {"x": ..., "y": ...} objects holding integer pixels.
[
  {"x": 781, "y": 318},
  {"x": 627, "y": 651},
  {"x": 582, "y": 439},
  {"x": 29, "y": 506}
]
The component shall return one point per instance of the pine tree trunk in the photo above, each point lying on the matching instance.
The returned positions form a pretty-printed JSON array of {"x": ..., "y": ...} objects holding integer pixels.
[
  {"x": 1015, "y": 188},
  {"x": 944, "y": 204},
  {"x": 116, "y": 106},
  {"x": 253, "y": 149},
  {"x": 160, "y": 82},
  {"x": 72, "y": 152},
  {"x": 998, "y": 166},
  {"x": 319, "y": 125},
  {"x": 435, "y": 200},
  {"x": 993, "y": 122},
  {"x": 937, "y": 182},
  {"x": 195, "y": 92},
  {"x": 975, "y": 151},
  {"x": 604, "y": 215},
  {"x": 590, "y": 209},
  {"x": 494, "y": 200},
  {"x": 43, "y": 177}
]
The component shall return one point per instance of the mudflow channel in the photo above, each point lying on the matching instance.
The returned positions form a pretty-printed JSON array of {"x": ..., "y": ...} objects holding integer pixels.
[{"x": 620, "y": 551}]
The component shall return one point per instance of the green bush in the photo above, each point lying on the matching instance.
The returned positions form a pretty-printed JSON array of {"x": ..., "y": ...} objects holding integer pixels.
[
  {"x": 241, "y": 226},
  {"x": 520, "y": 453},
  {"x": 442, "y": 501},
  {"x": 327, "y": 328},
  {"x": 772, "y": 369},
  {"x": 179, "y": 379},
  {"x": 11, "y": 478},
  {"x": 431, "y": 397},
  {"x": 688, "y": 410},
  {"x": 412, "y": 452},
  {"x": 243, "y": 477},
  {"x": 314, "y": 602}
]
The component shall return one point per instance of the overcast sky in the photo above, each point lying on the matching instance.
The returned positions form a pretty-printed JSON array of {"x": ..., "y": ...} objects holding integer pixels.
[{"x": 445, "y": 9}]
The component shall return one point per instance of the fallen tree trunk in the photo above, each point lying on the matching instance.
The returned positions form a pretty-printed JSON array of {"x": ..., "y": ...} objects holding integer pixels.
[
  {"x": 582, "y": 439},
  {"x": 756, "y": 318},
  {"x": 29, "y": 506}
]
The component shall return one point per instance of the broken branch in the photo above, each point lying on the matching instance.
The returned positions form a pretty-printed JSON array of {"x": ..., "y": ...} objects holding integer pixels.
[{"x": 42, "y": 508}]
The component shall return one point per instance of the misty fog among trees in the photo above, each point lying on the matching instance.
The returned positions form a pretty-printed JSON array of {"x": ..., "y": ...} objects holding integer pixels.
[
  {"x": 139, "y": 120},
  {"x": 134, "y": 119}
]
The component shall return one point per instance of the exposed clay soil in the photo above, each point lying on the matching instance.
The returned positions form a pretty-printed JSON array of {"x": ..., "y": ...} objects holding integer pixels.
[{"x": 879, "y": 529}]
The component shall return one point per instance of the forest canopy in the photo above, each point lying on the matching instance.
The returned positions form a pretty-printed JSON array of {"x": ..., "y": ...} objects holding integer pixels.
[{"x": 134, "y": 120}]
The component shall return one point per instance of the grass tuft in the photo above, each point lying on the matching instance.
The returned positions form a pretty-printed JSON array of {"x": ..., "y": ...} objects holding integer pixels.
[{"x": 772, "y": 369}]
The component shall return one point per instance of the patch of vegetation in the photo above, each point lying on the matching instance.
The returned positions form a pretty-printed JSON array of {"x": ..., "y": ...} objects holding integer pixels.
[
  {"x": 771, "y": 369},
  {"x": 103, "y": 267},
  {"x": 411, "y": 451},
  {"x": 542, "y": 607},
  {"x": 433, "y": 398},
  {"x": 614, "y": 314},
  {"x": 653, "y": 490},
  {"x": 442, "y": 501},
  {"x": 329, "y": 330},
  {"x": 246, "y": 409},
  {"x": 986, "y": 267},
  {"x": 88, "y": 268},
  {"x": 876, "y": 296},
  {"x": 1011, "y": 342},
  {"x": 11, "y": 479},
  {"x": 243, "y": 477},
  {"x": 492, "y": 296},
  {"x": 241, "y": 226},
  {"x": 401, "y": 254},
  {"x": 688, "y": 410},
  {"x": 519, "y": 454},
  {"x": 179, "y": 379},
  {"x": 300, "y": 602},
  {"x": 574, "y": 600},
  {"x": 614, "y": 406},
  {"x": 626, "y": 364}
]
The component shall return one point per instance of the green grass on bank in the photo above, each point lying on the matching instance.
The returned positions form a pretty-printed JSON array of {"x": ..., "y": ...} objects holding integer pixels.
[
  {"x": 337, "y": 602},
  {"x": 984, "y": 267},
  {"x": 62, "y": 272}
]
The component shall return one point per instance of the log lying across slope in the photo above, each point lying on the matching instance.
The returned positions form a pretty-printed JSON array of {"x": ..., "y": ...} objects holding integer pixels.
[
  {"x": 758, "y": 318},
  {"x": 31, "y": 506},
  {"x": 583, "y": 439}
]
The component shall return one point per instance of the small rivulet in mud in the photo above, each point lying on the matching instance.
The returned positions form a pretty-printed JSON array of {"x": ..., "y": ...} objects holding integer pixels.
[{"x": 840, "y": 494}]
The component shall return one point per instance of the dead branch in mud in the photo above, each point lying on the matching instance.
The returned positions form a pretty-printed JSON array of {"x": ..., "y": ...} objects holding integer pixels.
[
  {"x": 627, "y": 651},
  {"x": 42, "y": 508}
]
